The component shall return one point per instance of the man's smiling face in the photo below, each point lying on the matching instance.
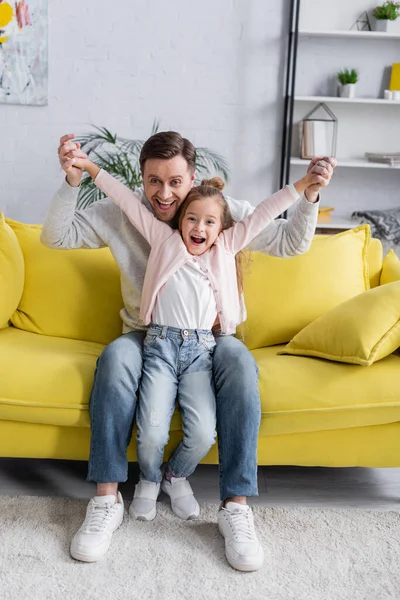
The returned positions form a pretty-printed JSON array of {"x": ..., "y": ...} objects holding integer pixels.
[{"x": 166, "y": 184}]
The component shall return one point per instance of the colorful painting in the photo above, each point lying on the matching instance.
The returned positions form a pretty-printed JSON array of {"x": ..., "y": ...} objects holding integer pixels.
[{"x": 23, "y": 52}]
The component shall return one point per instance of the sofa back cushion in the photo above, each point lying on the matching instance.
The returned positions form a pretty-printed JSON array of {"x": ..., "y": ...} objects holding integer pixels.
[
  {"x": 11, "y": 272},
  {"x": 68, "y": 293},
  {"x": 283, "y": 295},
  {"x": 375, "y": 261}
]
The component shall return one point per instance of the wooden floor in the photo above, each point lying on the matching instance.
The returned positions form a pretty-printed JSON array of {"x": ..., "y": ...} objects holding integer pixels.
[{"x": 368, "y": 488}]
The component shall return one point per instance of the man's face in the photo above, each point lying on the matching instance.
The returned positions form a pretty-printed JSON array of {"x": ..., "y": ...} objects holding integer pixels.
[{"x": 166, "y": 184}]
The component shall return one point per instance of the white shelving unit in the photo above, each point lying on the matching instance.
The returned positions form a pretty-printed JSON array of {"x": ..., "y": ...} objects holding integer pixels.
[
  {"x": 372, "y": 35},
  {"x": 367, "y": 123},
  {"x": 336, "y": 99},
  {"x": 356, "y": 163}
]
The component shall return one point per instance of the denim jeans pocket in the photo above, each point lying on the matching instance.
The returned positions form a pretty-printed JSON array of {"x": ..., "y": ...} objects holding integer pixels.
[
  {"x": 150, "y": 339},
  {"x": 208, "y": 342}
]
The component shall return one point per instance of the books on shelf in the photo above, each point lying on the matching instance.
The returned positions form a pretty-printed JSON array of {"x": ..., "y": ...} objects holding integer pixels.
[
  {"x": 392, "y": 159},
  {"x": 324, "y": 214}
]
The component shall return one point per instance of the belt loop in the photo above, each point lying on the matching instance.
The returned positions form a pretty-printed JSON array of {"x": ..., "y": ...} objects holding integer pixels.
[
  {"x": 164, "y": 331},
  {"x": 199, "y": 336}
]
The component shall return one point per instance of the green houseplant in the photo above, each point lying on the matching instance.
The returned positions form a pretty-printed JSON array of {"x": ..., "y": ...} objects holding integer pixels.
[
  {"x": 120, "y": 157},
  {"x": 348, "y": 79},
  {"x": 386, "y": 16}
]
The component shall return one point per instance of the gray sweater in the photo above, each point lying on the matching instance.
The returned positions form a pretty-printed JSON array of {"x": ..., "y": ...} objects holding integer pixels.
[{"x": 104, "y": 224}]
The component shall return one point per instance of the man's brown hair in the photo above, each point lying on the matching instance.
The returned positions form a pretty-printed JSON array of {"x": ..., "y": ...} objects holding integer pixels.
[{"x": 166, "y": 145}]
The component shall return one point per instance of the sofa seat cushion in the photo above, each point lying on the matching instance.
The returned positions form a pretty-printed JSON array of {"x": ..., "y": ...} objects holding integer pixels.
[
  {"x": 45, "y": 379},
  {"x": 48, "y": 380},
  {"x": 302, "y": 394}
]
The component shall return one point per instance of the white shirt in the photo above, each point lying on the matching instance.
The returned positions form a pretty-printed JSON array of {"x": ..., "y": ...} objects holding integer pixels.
[{"x": 187, "y": 300}]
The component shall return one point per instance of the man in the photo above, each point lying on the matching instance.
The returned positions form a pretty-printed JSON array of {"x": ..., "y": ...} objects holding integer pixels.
[{"x": 167, "y": 164}]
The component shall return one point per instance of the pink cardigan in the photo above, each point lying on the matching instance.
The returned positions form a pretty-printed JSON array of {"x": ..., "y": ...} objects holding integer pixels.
[{"x": 168, "y": 252}]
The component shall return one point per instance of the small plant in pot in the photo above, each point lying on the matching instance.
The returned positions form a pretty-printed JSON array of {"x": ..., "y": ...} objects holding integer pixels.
[
  {"x": 348, "y": 79},
  {"x": 386, "y": 17}
]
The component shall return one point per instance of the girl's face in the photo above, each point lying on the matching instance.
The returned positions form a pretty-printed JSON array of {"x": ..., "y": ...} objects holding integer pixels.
[{"x": 201, "y": 225}]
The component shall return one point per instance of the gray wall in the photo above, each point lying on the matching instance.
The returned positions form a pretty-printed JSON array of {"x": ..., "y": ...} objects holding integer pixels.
[{"x": 212, "y": 70}]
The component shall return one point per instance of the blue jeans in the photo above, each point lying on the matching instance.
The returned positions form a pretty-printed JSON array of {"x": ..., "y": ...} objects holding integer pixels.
[
  {"x": 113, "y": 404},
  {"x": 177, "y": 365}
]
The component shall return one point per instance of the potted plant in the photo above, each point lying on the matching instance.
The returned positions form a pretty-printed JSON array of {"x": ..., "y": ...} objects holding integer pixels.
[
  {"x": 348, "y": 79},
  {"x": 386, "y": 17},
  {"x": 120, "y": 157}
]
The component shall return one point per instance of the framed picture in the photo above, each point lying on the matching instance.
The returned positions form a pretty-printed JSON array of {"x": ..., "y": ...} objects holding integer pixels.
[{"x": 23, "y": 52}]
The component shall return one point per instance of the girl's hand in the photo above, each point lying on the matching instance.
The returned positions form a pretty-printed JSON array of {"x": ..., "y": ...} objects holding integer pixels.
[{"x": 83, "y": 164}]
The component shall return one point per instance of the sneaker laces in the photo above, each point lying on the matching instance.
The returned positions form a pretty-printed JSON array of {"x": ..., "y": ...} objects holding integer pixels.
[
  {"x": 241, "y": 524},
  {"x": 98, "y": 517}
]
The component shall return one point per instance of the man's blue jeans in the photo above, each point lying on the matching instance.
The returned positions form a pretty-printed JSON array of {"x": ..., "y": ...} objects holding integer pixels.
[{"x": 113, "y": 405}]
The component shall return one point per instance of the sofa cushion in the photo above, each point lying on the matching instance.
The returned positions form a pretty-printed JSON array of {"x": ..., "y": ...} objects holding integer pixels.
[
  {"x": 11, "y": 272},
  {"x": 68, "y": 293},
  {"x": 283, "y": 295},
  {"x": 375, "y": 257},
  {"x": 300, "y": 394},
  {"x": 360, "y": 331},
  {"x": 390, "y": 268},
  {"x": 45, "y": 379}
]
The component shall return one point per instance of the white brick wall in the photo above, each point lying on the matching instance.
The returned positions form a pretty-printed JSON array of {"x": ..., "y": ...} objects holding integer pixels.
[{"x": 212, "y": 70}]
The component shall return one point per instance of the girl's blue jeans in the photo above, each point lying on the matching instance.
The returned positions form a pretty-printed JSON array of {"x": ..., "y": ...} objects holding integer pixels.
[{"x": 113, "y": 406}]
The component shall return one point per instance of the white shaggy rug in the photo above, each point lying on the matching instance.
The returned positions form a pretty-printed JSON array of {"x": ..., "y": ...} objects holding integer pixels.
[{"x": 310, "y": 554}]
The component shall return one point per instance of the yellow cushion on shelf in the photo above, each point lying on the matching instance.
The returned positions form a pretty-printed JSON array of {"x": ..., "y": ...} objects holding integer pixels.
[
  {"x": 390, "y": 268},
  {"x": 283, "y": 295},
  {"x": 68, "y": 293},
  {"x": 360, "y": 331},
  {"x": 11, "y": 272}
]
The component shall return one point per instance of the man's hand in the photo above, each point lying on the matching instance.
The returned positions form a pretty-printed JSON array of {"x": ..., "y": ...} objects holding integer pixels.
[
  {"x": 323, "y": 166},
  {"x": 66, "y": 151}
]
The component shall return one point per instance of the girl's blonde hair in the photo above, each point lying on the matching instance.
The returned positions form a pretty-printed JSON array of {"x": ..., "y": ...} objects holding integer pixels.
[{"x": 212, "y": 188}]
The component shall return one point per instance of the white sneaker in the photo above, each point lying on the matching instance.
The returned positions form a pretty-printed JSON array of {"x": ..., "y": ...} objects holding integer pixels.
[
  {"x": 93, "y": 538},
  {"x": 242, "y": 548},
  {"x": 183, "y": 502},
  {"x": 144, "y": 501}
]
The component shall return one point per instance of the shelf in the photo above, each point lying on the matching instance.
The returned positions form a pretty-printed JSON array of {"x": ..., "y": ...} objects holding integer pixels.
[
  {"x": 354, "y": 163},
  {"x": 377, "y": 35},
  {"x": 345, "y": 100},
  {"x": 338, "y": 224}
]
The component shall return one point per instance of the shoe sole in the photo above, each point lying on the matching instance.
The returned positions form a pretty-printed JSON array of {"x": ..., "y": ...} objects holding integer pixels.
[{"x": 146, "y": 517}]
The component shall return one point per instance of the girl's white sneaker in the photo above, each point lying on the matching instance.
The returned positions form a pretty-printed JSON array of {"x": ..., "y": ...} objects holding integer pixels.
[
  {"x": 183, "y": 502},
  {"x": 144, "y": 501}
]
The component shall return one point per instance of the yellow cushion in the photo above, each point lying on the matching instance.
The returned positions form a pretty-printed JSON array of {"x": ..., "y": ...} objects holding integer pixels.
[
  {"x": 283, "y": 295},
  {"x": 11, "y": 272},
  {"x": 375, "y": 255},
  {"x": 68, "y": 293},
  {"x": 303, "y": 395},
  {"x": 360, "y": 331},
  {"x": 46, "y": 379},
  {"x": 390, "y": 268}
]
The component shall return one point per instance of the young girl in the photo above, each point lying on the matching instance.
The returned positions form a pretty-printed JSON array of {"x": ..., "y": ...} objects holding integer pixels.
[{"x": 193, "y": 280}]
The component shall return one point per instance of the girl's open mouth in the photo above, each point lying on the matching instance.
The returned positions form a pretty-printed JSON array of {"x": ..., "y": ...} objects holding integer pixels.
[{"x": 197, "y": 240}]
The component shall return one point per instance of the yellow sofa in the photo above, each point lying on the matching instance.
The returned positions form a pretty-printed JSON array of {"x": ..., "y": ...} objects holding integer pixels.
[{"x": 58, "y": 308}]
